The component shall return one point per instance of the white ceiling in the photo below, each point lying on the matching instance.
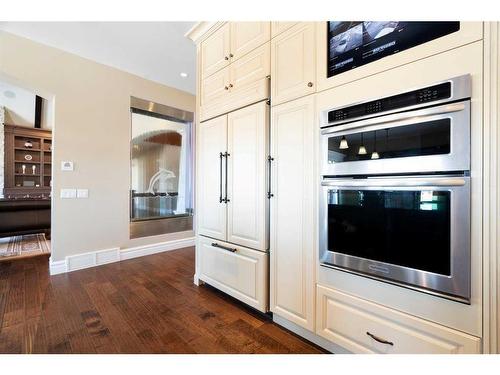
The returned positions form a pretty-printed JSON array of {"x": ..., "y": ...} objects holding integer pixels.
[{"x": 157, "y": 51}]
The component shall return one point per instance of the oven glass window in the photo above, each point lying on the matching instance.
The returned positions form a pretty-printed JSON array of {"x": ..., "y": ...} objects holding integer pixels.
[
  {"x": 405, "y": 228},
  {"x": 428, "y": 138}
]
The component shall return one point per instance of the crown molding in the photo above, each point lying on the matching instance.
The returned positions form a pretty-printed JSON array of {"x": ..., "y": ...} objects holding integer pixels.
[{"x": 201, "y": 29}]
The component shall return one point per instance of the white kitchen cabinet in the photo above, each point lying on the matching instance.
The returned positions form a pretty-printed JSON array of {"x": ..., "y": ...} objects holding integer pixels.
[
  {"x": 293, "y": 236},
  {"x": 293, "y": 63},
  {"x": 215, "y": 90},
  {"x": 215, "y": 51},
  {"x": 246, "y": 36},
  {"x": 232, "y": 201},
  {"x": 244, "y": 82},
  {"x": 236, "y": 270},
  {"x": 277, "y": 27},
  {"x": 361, "y": 326},
  {"x": 211, "y": 210},
  {"x": 246, "y": 189}
]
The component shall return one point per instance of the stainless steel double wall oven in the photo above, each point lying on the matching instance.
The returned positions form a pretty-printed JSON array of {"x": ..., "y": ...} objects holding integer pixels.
[{"x": 395, "y": 195}]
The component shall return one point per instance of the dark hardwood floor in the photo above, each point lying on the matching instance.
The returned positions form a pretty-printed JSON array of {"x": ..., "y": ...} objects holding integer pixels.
[{"x": 143, "y": 305}]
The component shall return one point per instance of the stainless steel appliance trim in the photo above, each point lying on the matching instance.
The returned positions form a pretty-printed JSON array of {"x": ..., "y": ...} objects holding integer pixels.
[
  {"x": 146, "y": 228},
  {"x": 162, "y": 109},
  {"x": 397, "y": 119},
  {"x": 455, "y": 287},
  {"x": 457, "y": 160},
  {"x": 395, "y": 182},
  {"x": 460, "y": 89}
]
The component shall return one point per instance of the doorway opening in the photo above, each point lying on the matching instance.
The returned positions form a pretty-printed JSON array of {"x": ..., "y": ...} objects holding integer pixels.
[{"x": 25, "y": 173}]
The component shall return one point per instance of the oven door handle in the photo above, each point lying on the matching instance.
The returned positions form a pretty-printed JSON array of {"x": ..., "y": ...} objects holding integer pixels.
[
  {"x": 397, "y": 119},
  {"x": 395, "y": 182}
]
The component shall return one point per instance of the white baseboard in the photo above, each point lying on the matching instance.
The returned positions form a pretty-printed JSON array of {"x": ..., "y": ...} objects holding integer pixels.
[
  {"x": 308, "y": 335},
  {"x": 100, "y": 257},
  {"x": 57, "y": 267}
]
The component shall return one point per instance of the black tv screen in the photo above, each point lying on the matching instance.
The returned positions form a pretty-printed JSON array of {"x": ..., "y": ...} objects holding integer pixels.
[{"x": 355, "y": 43}]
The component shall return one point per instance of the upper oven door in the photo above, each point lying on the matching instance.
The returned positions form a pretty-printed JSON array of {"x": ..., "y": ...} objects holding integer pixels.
[{"x": 426, "y": 140}]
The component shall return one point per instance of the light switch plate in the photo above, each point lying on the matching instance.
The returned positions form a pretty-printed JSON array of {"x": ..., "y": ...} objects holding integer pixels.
[
  {"x": 68, "y": 193},
  {"x": 66, "y": 166},
  {"x": 82, "y": 193}
]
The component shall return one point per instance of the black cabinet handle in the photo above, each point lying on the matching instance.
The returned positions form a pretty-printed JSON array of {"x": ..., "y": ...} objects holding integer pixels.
[
  {"x": 379, "y": 339},
  {"x": 215, "y": 244},
  {"x": 221, "y": 155},
  {"x": 270, "y": 159},
  {"x": 226, "y": 199}
]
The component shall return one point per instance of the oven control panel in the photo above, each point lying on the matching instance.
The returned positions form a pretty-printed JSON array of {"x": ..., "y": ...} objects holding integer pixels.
[{"x": 421, "y": 96}]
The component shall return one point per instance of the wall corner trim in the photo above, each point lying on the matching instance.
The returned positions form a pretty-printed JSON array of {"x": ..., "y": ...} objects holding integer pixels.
[{"x": 105, "y": 256}]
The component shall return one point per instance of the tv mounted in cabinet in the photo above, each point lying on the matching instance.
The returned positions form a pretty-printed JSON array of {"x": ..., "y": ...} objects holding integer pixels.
[{"x": 352, "y": 44}]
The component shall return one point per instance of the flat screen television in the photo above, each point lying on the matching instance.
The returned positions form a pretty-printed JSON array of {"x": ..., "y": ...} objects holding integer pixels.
[{"x": 355, "y": 43}]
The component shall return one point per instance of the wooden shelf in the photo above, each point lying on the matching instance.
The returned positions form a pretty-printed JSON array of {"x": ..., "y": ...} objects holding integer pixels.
[
  {"x": 27, "y": 149},
  {"x": 15, "y": 136},
  {"x": 29, "y": 161}
]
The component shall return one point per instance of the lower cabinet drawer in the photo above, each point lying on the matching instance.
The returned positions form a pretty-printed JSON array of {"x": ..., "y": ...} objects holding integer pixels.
[
  {"x": 361, "y": 326},
  {"x": 235, "y": 270}
]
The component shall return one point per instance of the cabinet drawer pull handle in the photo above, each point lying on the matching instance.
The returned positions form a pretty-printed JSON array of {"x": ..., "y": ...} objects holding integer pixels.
[
  {"x": 226, "y": 58},
  {"x": 231, "y": 55},
  {"x": 310, "y": 84},
  {"x": 233, "y": 250},
  {"x": 230, "y": 85},
  {"x": 226, "y": 88},
  {"x": 382, "y": 341}
]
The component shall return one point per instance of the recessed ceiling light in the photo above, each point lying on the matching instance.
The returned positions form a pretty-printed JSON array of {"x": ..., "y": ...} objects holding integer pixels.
[{"x": 184, "y": 75}]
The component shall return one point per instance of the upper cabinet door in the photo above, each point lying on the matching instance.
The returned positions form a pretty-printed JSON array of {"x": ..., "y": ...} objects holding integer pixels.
[
  {"x": 253, "y": 67},
  {"x": 211, "y": 210},
  {"x": 293, "y": 214},
  {"x": 277, "y": 27},
  {"x": 215, "y": 51},
  {"x": 293, "y": 63},
  {"x": 214, "y": 88},
  {"x": 246, "y": 191},
  {"x": 246, "y": 36}
]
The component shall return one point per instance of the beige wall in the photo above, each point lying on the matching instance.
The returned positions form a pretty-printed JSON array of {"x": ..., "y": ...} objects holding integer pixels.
[{"x": 92, "y": 129}]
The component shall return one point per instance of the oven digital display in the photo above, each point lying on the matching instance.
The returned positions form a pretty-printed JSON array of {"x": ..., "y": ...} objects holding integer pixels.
[{"x": 355, "y": 43}]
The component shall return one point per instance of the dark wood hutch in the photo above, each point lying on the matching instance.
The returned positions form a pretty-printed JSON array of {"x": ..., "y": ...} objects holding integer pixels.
[{"x": 28, "y": 162}]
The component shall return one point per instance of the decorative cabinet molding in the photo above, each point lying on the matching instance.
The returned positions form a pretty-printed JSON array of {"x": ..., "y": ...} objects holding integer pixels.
[
  {"x": 293, "y": 218},
  {"x": 293, "y": 63}
]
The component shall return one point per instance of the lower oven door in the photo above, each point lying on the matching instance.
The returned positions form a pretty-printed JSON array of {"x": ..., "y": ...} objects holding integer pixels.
[{"x": 413, "y": 231}]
